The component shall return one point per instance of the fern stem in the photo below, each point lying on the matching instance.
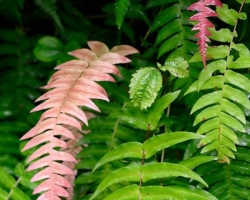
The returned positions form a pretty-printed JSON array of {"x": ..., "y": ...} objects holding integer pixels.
[
  {"x": 234, "y": 32},
  {"x": 17, "y": 182}
]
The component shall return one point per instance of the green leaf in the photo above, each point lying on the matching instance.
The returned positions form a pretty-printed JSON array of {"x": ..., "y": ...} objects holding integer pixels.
[
  {"x": 170, "y": 44},
  {"x": 176, "y": 66},
  {"x": 168, "y": 30},
  {"x": 207, "y": 113},
  {"x": 222, "y": 35},
  {"x": 127, "y": 193},
  {"x": 160, "y": 142},
  {"x": 231, "y": 122},
  {"x": 129, "y": 173},
  {"x": 166, "y": 16},
  {"x": 193, "y": 193},
  {"x": 242, "y": 49},
  {"x": 229, "y": 16},
  {"x": 236, "y": 96},
  {"x": 48, "y": 49},
  {"x": 217, "y": 52},
  {"x": 207, "y": 99},
  {"x": 164, "y": 170},
  {"x": 156, "y": 110},
  {"x": 208, "y": 72},
  {"x": 238, "y": 80},
  {"x": 121, "y": 7},
  {"x": 6, "y": 179},
  {"x": 136, "y": 119},
  {"x": 208, "y": 125},
  {"x": 193, "y": 162},
  {"x": 126, "y": 150},
  {"x": 240, "y": 63},
  {"x": 159, "y": 193},
  {"x": 144, "y": 87}
]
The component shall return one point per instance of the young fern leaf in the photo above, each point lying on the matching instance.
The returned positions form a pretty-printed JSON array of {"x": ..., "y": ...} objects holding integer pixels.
[
  {"x": 73, "y": 86},
  {"x": 203, "y": 24}
]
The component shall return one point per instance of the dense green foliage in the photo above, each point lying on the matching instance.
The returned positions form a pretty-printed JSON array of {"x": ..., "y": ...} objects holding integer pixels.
[{"x": 172, "y": 129}]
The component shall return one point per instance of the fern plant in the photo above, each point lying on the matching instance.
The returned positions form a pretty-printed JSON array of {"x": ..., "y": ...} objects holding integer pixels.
[{"x": 170, "y": 122}]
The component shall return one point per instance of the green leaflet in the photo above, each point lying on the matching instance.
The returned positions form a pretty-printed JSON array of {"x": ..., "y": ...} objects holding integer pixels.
[
  {"x": 144, "y": 87},
  {"x": 193, "y": 193},
  {"x": 193, "y": 162},
  {"x": 237, "y": 80},
  {"x": 166, "y": 16},
  {"x": 147, "y": 172},
  {"x": 208, "y": 72},
  {"x": 149, "y": 147},
  {"x": 127, "y": 150},
  {"x": 48, "y": 49},
  {"x": 159, "y": 142},
  {"x": 176, "y": 66},
  {"x": 127, "y": 193},
  {"x": 217, "y": 52},
  {"x": 242, "y": 49},
  {"x": 240, "y": 63},
  {"x": 121, "y": 7},
  {"x": 134, "y": 118},
  {"x": 215, "y": 82},
  {"x": 207, "y": 99},
  {"x": 229, "y": 16},
  {"x": 156, "y": 110},
  {"x": 222, "y": 35},
  {"x": 207, "y": 113}
]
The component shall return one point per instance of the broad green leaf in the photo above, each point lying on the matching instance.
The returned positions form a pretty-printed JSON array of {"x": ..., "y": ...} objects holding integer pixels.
[
  {"x": 136, "y": 119},
  {"x": 18, "y": 194},
  {"x": 233, "y": 110},
  {"x": 193, "y": 162},
  {"x": 153, "y": 3},
  {"x": 126, "y": 150},
  {"x": 176, "y": 66},
  {"x": 215, "y": 82},
  {"x": 210, "y": 112},
  {"x": 226, "y": 151},
  {"x": 159, "y": 193},
  {"x": 166, "y": 16},
  {"x": 209, "y": 125},
  {"x": 238, "y": 80},
  {"x": 48, "y": 49},
  {"x": 164, "y": 170},
  {"x": 162, "y": 141},
  {"x": 236, "y": 96},
  {"x": 129, "y": 173},
  {"x": 121, "y": 7},
  {"x": 222, "y": 35},
  {"x": 208, "y": 72},
  {"x": 156, "y": 110},
  {"x": 242, "y": 154},
  {"x": 229, "y": 16},
  {"x": 193, "y": 193},
  {"x": 231, "y": 122},
  {"x": 144, "y": 87},
  {"x": 170, "y": 44},
  {"x": 207, "y": 99},
  {"x": 217, "y": 52},
  {"x": 3, "y": 194},
  {"x": 168, "y": 30},
  {"x": 127, "y": 193}
]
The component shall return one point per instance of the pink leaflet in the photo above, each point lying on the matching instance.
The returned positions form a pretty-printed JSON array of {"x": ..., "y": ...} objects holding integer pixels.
[
  {"x": 114, "y": 58},
  {"x": 62, "y": 156},
  {"x": 63, "y": 82},
  {"x": 84, "y": 54},
  {"x": 49, "y": 185},
  {"x": 42, "y": 162},
  {"x": 56, "y": 92},
  {"x": 48, "y": 196},
  {"x": 49, "y": 103},
  {"x": 98, "y": 47},
  {"x": 79, "y": 64},
  {"x": 68, "y": 120},
  {"x": 40, "y": 127},
  {"x": 60, "y": 130},
  {"x": 95, "y": 75},
  {"x": 104, "y": 66},
  {"x": 124, "y": 50},
  {"x": 82, "y": 102}
]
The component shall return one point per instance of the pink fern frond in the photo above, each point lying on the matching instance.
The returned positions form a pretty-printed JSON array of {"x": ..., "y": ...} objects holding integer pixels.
[
  {"x": 71, "y": 87},
  {"x": 204, "y": 23}
]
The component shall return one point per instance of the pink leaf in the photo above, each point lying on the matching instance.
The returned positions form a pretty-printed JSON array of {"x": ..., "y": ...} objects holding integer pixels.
[
  {"x": 114, "y": 58},
  {"x": 98, "y": 47},
  {"x": 84, "y": 54},
  {"x": 68, "y": 120},
  {"x": 104, "y": 66},
  {"x": 124, "y": 50},
  {"x": 78, "y": 64},
  {"x": 203, "y": 23}
]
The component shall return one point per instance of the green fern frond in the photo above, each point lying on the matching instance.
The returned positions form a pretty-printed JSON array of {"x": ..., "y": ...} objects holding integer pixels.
[{"x": 121, "y": 8}]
